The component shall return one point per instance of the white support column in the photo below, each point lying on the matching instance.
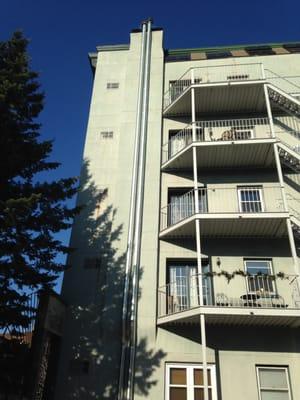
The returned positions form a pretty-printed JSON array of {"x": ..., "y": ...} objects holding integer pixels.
[
  {"x": 198, "y": 243},
  {"x": 281, "y": 181}
]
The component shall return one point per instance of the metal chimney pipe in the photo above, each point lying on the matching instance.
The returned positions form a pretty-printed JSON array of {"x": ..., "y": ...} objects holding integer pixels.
[
  {"x": 132, "y": 213},
  {"x": 139, "y": 209}
]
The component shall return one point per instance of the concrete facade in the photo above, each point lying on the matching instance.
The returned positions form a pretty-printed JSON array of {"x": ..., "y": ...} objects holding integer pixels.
[{"x": 241, "y": 335}]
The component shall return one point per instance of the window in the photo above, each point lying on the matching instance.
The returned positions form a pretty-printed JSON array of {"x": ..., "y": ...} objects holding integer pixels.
[
  {"x": 107, "y": 134},
  {"x": 79, "y": 367},
  {"x": 179, "y": 139},
  {"x": 181, "y": 204},
  {"x": 92, "y": 263},
  {"x": 292, "y": 47},
  {"x": 250, "y": 199},
  {"x": 259, "y": 279},
  {"x": 273, "y": 383},
  {"x": 112, "y": 85},
  {"x": 259, "y": 50},
  {"x": 182, "y": 288},
  {"x": 179, "y": 86},
  {"x": 177, "y": 57},
  {"x": 218, "y": 54},
  {"x": 185, "y": 382}
]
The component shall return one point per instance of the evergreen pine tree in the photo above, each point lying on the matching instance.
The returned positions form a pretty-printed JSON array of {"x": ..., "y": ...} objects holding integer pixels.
[{"x": 31, "y": 212}]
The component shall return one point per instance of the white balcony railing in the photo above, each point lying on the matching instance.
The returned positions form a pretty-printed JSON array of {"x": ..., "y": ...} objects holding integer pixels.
[
  {"x": 253, "y": 291},
  {"x": 216, "y": 199},
  {"x": 213, "y": 74},
  {"x": 217, "y": 130}
]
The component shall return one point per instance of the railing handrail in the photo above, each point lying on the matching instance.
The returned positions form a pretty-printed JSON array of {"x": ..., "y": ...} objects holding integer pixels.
[
  {"x": 208, "y": 275},
  {"x": 252, "y": 291},
  {"x": 211, "y": 67},
  {"x": 216, "y": 187},
  {"x": 277, "y": 76},
  {"x": 209, "y": 123},
  {"x": 295, "y": 148}
]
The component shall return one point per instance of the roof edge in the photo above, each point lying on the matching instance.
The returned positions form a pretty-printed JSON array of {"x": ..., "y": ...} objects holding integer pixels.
[
  {"x": 230, "y": 47},
  {"x": 113, "y": 47}
]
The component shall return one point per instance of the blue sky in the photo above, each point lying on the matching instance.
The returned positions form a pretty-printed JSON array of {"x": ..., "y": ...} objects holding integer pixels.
[{"x": 63, "y": 32}]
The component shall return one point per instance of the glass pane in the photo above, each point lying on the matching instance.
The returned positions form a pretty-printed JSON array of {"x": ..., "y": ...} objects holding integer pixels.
[
  {"x": 178, "y": 376},
  {"x": 271, "y": 395},
  {"x": 199, "y": 394},
  {"x": 178, "y": 393},
  {"x": 273, "y": 378},
  {"x": 198, "y": 377},
  {"x": 254, "y": 267}
]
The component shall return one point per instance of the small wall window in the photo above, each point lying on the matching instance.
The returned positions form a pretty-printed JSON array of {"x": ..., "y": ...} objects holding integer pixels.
[
  {"x": 107, "y": 135},
  {"x": 112, "y": 85},
  {"x": 218, "y": 54},
  {"x": 259, "y": 50},
  {"x": 79, "y": 367},
  {"x": 185, "y": 382},
  {"x": 92, "y": 263},
  {"x": 273, "y": 383},
  {"x": 292, "y": 47}
]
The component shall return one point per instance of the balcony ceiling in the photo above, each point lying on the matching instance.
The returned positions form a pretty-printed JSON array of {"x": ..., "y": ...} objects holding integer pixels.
[
  {"x": 220, "y": 154},
  {"x": 221, "y": 98},
  {"x": 235, "y": 316},
  {"x": 271, "y": 225}
]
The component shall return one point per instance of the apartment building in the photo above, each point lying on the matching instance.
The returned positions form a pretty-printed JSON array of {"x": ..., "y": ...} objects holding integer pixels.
[{"x": 184, "y": 284}]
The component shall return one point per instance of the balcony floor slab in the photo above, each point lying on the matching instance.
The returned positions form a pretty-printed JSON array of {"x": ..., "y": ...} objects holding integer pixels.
[
  {"x": 272, "y": 225},
  {"x": 225, "y": 154},
  {"x": 221, "y": 98},
  {"x": 235, "y": 316}
]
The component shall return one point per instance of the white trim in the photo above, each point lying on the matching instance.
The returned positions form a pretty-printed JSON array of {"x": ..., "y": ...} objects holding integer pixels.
[
  {"x": 286, "y": 369},
  {"x": 261, "y": 199},
  {"x": 189, "y": 377},
  {"x": 258, "y": 260}
]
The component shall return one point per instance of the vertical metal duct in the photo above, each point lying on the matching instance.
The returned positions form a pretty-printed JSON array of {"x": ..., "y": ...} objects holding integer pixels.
[
  {"x": 139, "y": 211},
  {"x": 126, "y": 378}
]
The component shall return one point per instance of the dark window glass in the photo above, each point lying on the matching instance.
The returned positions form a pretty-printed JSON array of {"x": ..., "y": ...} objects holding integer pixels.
[{"x": 259, "y": 50}]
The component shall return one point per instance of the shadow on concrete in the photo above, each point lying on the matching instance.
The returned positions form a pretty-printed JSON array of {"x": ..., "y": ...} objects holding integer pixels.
[
  {"x": 243, "y": 338},
  {"x": 93, "y": 288}
]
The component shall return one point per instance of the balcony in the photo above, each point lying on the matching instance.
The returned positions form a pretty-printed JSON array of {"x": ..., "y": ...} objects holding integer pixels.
[
  {"x": 252, "y": 300},
  {"x": 221, "y": 143},
  {"x": 218, "y": 88},
  {"x": 238, "y": 211}
]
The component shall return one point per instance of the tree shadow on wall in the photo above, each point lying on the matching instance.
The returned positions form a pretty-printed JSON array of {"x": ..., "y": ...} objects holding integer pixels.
[{"x": 93, "y": 329}]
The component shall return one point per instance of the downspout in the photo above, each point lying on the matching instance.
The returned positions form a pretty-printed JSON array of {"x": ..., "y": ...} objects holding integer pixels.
[
  {"x": 139, "y": 211},
  {"x": 132, "y": 213}
]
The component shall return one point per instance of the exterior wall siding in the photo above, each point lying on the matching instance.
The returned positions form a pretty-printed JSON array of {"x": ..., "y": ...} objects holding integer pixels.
[{"x": 93, "y": 324}]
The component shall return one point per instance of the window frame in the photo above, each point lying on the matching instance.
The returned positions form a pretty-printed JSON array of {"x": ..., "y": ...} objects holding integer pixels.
[
  {"x": 272, "y": 367},
  {"x": 274, "y": 291},
  {"x": 261, "y": 196},
  {"x": 190, "y": 379}
]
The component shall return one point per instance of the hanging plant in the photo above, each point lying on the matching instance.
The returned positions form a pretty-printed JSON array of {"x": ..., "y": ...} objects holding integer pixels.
[{"x": 229, "y": 276}]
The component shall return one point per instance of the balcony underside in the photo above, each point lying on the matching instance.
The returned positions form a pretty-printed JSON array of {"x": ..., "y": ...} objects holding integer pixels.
[
  {"x": 235, "y": 316},
  {"x": 221, "y": 98},
  {"x": 225, "y": 154},
  {"x": 271, "y": 225}
]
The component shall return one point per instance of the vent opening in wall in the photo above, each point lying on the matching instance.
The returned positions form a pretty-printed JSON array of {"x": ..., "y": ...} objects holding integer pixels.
[
  {"x": 112, "y": 85},
  {"x": 92, "y": 263},
  {"x": 107, "y": 134},
  {"x": 79, "y": 367}
]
